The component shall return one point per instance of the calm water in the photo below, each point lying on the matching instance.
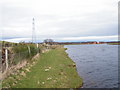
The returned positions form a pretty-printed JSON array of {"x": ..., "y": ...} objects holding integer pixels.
[{"x": 96, "y": 64}]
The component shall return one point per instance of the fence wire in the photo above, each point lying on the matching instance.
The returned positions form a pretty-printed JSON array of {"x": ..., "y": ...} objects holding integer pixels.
[{"x": 15, "y": 58}]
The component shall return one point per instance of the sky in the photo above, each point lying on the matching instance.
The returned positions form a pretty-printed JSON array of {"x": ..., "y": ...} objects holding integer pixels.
[{"x": 60, "y": 20}]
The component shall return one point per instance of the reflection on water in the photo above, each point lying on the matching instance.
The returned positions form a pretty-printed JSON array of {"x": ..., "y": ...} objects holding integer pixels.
[{"x": 96, "y": 64}]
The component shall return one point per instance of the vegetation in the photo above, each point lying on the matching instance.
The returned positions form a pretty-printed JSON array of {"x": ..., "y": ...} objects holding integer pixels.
[
  {"x": 114, "y": 43},
  {"x": 6, "y": 44},
  {"x": 48, "y": 41},
  {"x": 53, "y": 69},
  {"x": 24, "y": 51}
]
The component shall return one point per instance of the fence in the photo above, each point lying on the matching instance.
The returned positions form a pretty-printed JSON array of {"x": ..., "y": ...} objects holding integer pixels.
[
  {"x": 13, "y": 56},
  {"x": 19, "y": 53}
]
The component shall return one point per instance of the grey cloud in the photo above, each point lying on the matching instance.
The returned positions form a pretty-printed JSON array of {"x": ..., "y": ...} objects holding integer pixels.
[{"x": 17, "y": 22}]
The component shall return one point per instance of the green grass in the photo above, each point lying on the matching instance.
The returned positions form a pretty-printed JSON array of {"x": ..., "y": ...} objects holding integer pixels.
[{"x": 60, "y": 74}]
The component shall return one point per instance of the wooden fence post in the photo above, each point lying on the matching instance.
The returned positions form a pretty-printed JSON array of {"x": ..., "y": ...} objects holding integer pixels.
[
  {"x": 6, "y": 58},
  {"x": 37, "y": 47},
  {"x": 29, "y": 50}
]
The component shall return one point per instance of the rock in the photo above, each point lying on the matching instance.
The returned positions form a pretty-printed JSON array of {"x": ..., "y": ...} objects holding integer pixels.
[
  {"x": 49, "y": 67},
  {"x": 49, "y": 78},
  {"x": 74, "y": 65},
  {"x": 27, "y": 70},
  {"x": 65, "y": 76},
  {"x": 62, "y": 73},
  {"x": 46, "y": 70},
  {"x": 43, "y": 82},
  {"x": 14, "y": 84},
  {"x": 23, "y": 73},
  {"x": 33, "y": 62},
  {"x": 54, "y": 80},
  {"x": 38, "y": 82}
]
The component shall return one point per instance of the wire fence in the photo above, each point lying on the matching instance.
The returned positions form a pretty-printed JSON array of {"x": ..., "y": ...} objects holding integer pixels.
[
  {"x": 17, "y": 57},
  {"x": 10, "y": 58},
  {"x": 14, "y": 54}
]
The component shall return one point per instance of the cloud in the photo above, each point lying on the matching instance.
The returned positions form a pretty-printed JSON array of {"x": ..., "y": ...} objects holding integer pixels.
[
  {"x": 59, "y": 18},
  {"x": 115, "y": 37},
  {"x": 65, "y": 39}
]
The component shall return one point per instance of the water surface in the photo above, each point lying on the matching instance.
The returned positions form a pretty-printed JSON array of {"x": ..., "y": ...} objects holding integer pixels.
[{"x": 96, "y": 64}]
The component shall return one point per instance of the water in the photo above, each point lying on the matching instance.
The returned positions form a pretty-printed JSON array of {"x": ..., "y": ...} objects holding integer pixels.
[{"x": 96, "y": 64}]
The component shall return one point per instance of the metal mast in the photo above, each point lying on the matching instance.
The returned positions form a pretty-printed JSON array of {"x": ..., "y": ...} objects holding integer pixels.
[{"x": 33, "y": 32}]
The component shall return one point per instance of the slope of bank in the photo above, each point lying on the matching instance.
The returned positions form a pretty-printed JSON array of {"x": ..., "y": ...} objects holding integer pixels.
[{"x": 53, "y": 69}]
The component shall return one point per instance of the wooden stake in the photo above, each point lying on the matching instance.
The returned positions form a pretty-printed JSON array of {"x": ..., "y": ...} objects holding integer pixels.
[{"x": 6, "y": 58}]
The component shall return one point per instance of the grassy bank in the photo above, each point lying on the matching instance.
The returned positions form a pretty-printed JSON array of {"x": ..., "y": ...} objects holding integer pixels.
[{"x": 53, "y": 69}]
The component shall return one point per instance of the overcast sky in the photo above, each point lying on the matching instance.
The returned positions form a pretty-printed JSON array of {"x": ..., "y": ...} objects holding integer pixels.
[{"x": 61, "y": 20}]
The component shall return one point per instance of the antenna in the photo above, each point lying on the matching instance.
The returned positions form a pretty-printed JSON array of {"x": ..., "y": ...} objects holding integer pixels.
[{"x": 33, "y": 32}]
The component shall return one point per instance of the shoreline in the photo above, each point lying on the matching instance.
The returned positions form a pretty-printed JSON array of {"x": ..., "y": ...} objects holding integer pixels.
[{"x": 76, "y": 69}]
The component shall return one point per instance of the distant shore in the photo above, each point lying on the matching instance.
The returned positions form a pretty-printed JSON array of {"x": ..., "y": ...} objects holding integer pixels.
[{"x": 113, "y": 43}]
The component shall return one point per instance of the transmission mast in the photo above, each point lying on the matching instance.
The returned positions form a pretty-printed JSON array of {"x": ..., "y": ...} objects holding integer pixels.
[{"x": 33, "y": 31}]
